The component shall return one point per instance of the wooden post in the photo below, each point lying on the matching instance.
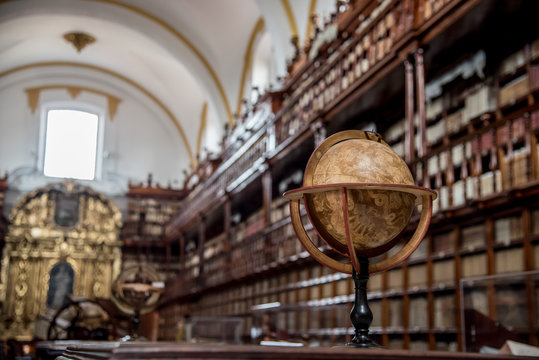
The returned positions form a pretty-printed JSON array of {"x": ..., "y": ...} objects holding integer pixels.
[
  {"x": 420, "y": 85},
  {"x": 530, "y": 283},
  {"x": 182, "y": 250},
  {"x": 430, "y": 294},
  {"x": 201, "y": 241},
  {"x": 458, "y": 274},
  {"x": 491, "y": 268},
  {"x": 266, "y": 196},
  {"x": 409, "y": 153}
]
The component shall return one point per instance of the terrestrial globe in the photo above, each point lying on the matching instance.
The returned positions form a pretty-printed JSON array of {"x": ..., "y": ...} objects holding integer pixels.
[
  {"x": 136, "y": 291},
  {"x": 359, "y": 195}
]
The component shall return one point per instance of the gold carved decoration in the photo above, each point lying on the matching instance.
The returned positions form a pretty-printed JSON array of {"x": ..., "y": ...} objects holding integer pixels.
[
  {"x": 290, "y": 17},
  {"x": 64, "y": 225},
  {"x": 203, "y": 116},
  {"x": 74, "y": 91},
  {"x": 79, "y": 39}
]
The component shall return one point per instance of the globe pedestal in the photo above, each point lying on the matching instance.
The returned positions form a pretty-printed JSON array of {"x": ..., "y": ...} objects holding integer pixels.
[
  {"x": 136, "y": 292},
  {"x": 361, "y": 315}
]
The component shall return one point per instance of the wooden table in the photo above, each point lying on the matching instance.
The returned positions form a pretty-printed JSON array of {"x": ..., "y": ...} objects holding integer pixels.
[{"x": 166, "y": 350}]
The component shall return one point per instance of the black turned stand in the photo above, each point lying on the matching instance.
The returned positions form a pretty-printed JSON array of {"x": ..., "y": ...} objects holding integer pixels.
[
  {"x": 361, "y": 314},
  {"x": 136, "y": 323}
]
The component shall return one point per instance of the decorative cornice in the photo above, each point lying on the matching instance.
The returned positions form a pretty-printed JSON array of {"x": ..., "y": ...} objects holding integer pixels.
[
  {"x": 290, "y": 17},
  {"x": 74, "y": 91},
  {"x": 247, "y": 60},
  {"x": 183, "y": 39},
  {"x": 79, "y": 39},
  {"x": 203, "y": 116},
  {"x": 120, "y": 77}
]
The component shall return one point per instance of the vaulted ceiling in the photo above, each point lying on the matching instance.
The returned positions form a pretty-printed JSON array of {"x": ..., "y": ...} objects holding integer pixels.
[{"x": 192, "y": 59}]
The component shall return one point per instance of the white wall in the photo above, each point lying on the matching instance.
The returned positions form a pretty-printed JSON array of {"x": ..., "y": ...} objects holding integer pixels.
[{"x": 140, "y": 139}]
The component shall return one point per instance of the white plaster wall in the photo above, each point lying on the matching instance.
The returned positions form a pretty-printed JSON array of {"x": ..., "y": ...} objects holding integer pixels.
[{"x": 141, "y": 138}]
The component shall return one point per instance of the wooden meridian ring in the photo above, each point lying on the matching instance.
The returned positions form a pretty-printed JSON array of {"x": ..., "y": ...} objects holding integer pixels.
[{"x": 295, "y": 197}]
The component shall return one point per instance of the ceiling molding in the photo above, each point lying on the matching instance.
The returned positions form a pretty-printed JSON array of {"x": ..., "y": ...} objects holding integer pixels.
[
  {"x": 118, "y": 76},
  {"x": 290, "y": 17},
  {"x": 183, "y": 39},
  {"x": 74, "y": 91},
  {"x": 247, "y": 60}
]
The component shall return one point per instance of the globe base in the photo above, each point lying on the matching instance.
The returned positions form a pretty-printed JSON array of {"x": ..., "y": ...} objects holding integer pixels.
[
  {"x": 361, "y": 315},
  {"x": 363, "y": 341}
]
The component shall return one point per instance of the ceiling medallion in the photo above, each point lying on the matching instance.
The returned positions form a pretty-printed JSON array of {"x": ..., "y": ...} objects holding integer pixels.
[{"x": 79, "y": 39}]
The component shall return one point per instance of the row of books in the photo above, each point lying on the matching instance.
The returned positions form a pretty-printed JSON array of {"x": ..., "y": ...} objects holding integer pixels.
[
  {"x": 285, "y": 246},
  {"x": 377, "y": 32},
  {"x": 431, "y": 7},
  {"x": 162, "y": 205},
  {"x": 448, "y": 115},
  {"x": 241, "y": 300},
  {"x": 142, "y": 230},
  {"x": 279, "y": 209},
  {"x": 251, "y": 225},
  {"x": 464, "y": 181}
]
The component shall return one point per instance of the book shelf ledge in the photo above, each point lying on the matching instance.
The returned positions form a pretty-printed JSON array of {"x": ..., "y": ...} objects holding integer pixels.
[{"x": 449, "y": 286}]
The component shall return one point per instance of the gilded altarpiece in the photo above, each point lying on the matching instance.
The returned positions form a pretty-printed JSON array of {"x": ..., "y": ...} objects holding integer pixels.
[{"x": 66, "y": 227}]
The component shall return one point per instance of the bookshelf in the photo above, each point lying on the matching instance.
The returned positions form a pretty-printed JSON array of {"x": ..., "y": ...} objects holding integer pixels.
[
  {"x": 430, "y": 77},
  {"x": 149, "y": 208}
]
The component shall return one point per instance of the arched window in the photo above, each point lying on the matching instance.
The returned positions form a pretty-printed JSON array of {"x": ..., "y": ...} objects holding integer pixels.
[{"x": 71, "y": 143}]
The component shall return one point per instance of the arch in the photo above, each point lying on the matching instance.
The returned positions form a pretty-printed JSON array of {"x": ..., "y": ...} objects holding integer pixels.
[
  {"x": 290, "y": 17},
  {"x": 120, "y": 77},
  {"x": 186, "y": 42}
]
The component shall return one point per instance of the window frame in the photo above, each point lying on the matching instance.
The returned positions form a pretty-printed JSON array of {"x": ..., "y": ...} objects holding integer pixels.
[{"x": 74, "y": 106}]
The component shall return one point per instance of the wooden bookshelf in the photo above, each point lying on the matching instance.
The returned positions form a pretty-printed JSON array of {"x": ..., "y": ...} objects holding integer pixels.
[
  {"x": 149, "y": 208},
  {"x": 461, "y": 110}
]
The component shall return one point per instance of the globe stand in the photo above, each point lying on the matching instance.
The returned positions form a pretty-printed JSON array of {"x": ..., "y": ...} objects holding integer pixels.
[
  {"x": 359, "y": 195},
  {"x": 136, "y": 291},
  {"x": 136, "y": 324},
  {"x": 361, "y": 315},
  {"x": 135, "y": 321}
]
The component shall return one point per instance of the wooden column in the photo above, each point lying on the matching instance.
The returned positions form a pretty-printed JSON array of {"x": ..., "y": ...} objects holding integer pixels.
[
  {"x": 420, "y": 86},
  {"x": 266, "y": 196},
  {"x": 491, "y": 268},
  {"x": 267, "y": 186},
  {"x": 182, "y": 250},
  {"x": 201, "y": 241},
  {"x": 405, "y": 307},
  {"x": 227, "y": 208},
  {"x": 530, "y": 282},
  {"x": 409, "y": 154},
  {"x": 457, "y": 232},
  {"x": 430, "y": 294}
]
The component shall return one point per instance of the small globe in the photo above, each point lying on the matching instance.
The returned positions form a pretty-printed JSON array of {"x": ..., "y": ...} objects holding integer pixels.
[
  {"x": 137, "y": 289},
  {"x": 375, "y": 216}
]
